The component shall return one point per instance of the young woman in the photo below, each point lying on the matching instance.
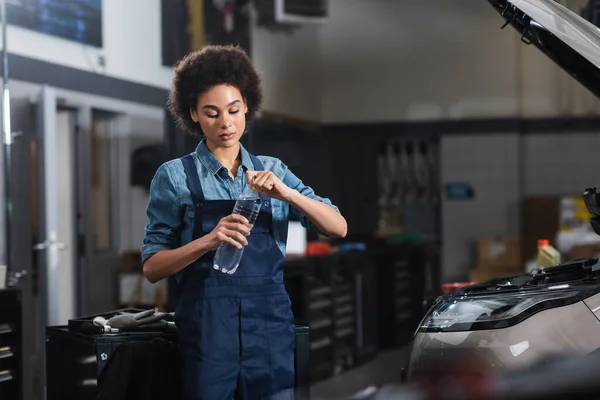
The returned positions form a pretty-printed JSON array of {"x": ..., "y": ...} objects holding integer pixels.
[{"x": 236, "y": 332}]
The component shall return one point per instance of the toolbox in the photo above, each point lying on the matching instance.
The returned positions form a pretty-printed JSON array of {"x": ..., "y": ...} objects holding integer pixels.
[
  {"x": 11, "y": 380},
  {"x": 75, "y": 360}
]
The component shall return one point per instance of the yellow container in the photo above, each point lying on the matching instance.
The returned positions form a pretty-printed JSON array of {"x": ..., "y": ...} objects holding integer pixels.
[{"x": 548, "y": 256}]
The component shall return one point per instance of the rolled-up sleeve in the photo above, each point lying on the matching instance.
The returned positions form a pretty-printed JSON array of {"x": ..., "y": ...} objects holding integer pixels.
[
  {"x": 164, "y": 213},
  {"x": 293, "y": 182}
]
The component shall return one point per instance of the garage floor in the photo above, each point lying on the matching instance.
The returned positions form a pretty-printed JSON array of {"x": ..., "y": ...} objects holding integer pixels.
[{"x": 383, "y": 369}]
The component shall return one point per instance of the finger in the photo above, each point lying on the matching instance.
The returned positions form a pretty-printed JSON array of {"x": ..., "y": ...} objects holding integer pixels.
[
  {"x": 237, "y": 236},
  {"x": 226, "y": 239},
  {"x": 233, "y": 237},
  {"x": 236, "y": 226},
  {"x": 260, "y": 180},
  {"x": 257, "y": 176},
  {"x": 251, "y": 176},
  {"x": 263, "y": 185},
  {"x": 269, "y": 184},
  {"x": 236, "y": 218}
]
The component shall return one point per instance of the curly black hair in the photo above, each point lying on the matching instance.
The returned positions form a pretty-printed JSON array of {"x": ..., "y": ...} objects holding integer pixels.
[{"x": 201, "y": 70}]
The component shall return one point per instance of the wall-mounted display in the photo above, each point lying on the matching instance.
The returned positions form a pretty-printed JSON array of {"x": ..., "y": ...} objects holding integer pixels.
[{"x": 75, "y": 20}]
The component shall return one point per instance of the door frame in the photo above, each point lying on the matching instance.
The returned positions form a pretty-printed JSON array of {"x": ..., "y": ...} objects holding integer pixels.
[{"x": 48, "y": 243}]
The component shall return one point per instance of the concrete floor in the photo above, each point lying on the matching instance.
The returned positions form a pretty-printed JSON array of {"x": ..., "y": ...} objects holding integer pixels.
[{"x": 383, "y": 369}]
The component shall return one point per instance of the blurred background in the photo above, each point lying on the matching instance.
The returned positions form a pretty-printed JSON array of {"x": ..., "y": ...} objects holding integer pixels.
[{"x": 449, "y": 145}]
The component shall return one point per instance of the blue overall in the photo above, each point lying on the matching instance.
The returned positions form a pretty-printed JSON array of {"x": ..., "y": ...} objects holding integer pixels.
[{"x": 236, "y": 332}]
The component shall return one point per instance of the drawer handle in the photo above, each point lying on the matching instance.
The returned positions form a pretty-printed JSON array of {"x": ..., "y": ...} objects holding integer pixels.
[
  {"x": 6, "y": 352},
  {"x": 6, "y": 376},
  {"x": 5, "y": 328}
]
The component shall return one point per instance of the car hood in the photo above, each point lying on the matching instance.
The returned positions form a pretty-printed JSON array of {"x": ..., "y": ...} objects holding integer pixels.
[
  {"x": 580, "y": 272},
  {"x": 565, "y": 37}
]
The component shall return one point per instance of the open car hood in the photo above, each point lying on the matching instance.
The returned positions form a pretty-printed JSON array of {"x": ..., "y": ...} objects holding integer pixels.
[{"x": 568, "y": 39}]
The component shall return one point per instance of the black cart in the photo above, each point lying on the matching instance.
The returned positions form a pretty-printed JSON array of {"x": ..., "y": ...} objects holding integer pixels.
[
  {"x": 74, "y": 361},
  {"x": 10, "y": 345}
]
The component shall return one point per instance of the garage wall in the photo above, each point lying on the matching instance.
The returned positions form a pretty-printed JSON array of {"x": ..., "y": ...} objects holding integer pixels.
[
  {"x": 502, "y": 175},
  {"x": 489, "y": 163},
  {"x": 395, "y": 60},
  {"x": 560, "y": 163},
  {"x": 291, "y": 68}
]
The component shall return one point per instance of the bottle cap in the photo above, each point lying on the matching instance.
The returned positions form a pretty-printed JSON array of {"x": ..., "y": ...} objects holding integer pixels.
[{"x": 543, "y": 242}]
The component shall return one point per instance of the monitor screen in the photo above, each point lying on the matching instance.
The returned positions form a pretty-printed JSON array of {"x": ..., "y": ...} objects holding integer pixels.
[{"x": 75, "y": 20}]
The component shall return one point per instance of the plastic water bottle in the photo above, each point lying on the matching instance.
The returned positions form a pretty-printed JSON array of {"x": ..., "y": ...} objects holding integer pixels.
[{"x": 228, "y": 257}]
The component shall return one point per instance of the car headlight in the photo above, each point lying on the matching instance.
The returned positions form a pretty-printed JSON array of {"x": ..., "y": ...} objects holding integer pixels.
[{"x": 458, "y": 311}]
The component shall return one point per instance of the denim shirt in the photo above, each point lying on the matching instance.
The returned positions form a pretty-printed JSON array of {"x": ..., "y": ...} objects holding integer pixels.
[{"x": 170, "y": 209}]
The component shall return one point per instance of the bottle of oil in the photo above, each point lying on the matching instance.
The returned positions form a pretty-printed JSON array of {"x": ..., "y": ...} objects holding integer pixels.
[{"x": 548, "y": 256}]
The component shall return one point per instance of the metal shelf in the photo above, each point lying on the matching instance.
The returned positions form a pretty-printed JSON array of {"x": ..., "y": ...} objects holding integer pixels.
[{"x": 10, "y": 345}]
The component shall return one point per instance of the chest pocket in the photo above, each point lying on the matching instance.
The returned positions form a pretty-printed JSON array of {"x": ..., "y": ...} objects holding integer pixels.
[{"x": 263, "y": 223}]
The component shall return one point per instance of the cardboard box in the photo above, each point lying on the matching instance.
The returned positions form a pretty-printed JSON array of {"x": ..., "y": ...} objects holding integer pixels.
[
  {"x": 131, "y": 262},
  {"x": 499, "y": 252},
  {"x": 591, "y": 250},
  {"x": 130, "y": 287},
  {"x": 136, "y": 291},
  {"x": 154, "y": 294},
  {"x": 485, "y": 274}
]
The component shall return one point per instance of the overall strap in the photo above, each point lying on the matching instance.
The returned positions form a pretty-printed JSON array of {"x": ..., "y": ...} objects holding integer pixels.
[{"x": 193, "y": 182}]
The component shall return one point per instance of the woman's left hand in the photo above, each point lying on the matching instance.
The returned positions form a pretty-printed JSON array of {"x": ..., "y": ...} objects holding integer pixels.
[{"x": 267, "y": 183}]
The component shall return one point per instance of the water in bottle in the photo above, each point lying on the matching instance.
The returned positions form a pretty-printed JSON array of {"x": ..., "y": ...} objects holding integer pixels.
[{"x": 228, "y": 257}]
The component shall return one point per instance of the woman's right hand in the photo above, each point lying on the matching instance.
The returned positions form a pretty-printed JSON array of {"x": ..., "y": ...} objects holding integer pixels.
[{"x": 232, "y": 229}]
